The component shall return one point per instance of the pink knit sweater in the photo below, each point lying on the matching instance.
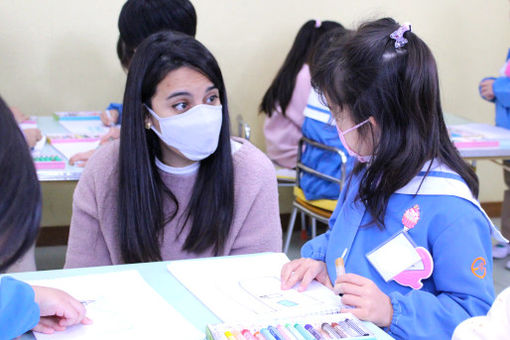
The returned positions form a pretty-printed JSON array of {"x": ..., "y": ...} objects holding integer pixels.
[
  {"x": 283, "y": 132},
  {"x": 93, "y": 239}
]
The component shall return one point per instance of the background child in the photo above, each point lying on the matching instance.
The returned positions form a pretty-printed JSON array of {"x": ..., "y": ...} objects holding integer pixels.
[
  {"x": 175, "y": 186},
  {"x": 417, "y": 243},
  {"x": 320, "y": 126},
  {"x": 137, "y": 20},
  {"x": 23, "y": 307},
  {"x": 285, "y": 100},
  {"x": 497, "y": 90}
]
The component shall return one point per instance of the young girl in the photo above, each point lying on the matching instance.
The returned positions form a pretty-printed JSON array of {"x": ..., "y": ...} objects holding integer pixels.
[
  {"x": 176, "y": 186},
  {"x": 415, "y": 242},
  {"x": 497, "y": 90},
  {"x": 286, "y": 98},
  {"x": 23, "y": 307},
  {"x": 137, "y": 20}
]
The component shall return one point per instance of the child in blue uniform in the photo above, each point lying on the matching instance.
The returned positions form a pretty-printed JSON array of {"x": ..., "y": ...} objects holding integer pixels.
[
  {"x": 416, "y": 242},
  {"x": 497, "y": 90},
  {"x": 23, "y": 307}
]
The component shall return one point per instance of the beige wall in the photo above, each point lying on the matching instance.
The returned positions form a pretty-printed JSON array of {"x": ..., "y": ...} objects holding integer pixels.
[{"x": 60, "y": 54}]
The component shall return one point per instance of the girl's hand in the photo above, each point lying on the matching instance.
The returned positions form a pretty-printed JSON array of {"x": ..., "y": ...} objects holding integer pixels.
[
  {"x": 58, "y": 310},
  {"x": 305, "y": 271},
  {"x": 32, "y": 136},
  {"x": 112, "y": 134},
  {"x": 111, "y": 119},
  {"x": 369, "y": 302},
  {"x": 18, "y": 115},
  {"x": 486, "y": 89},
  {"x": 81, "y": 158}
]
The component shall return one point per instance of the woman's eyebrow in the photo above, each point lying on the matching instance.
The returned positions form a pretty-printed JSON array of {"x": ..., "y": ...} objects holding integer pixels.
[{"x": 180, "y": 93}]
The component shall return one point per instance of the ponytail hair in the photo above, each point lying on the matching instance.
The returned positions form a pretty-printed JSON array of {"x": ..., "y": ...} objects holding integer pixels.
[
  {"x": 366, "y": 75},
  {"x": 278, "y": 95}
]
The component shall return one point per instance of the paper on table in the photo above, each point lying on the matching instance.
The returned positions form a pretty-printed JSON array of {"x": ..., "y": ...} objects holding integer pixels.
[
  {"x": 72, "y": 148},
  {"x": 85, "y": 127},
  {"x": 484, "y": 131},
  {"x": 123, "y": 306},
  {"x": 248, "y": 287}
]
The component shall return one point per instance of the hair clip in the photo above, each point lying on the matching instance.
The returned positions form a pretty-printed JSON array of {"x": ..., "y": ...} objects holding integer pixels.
[
  {"x": 318, "y": 23},
  {"x": 398, "y": 35}
]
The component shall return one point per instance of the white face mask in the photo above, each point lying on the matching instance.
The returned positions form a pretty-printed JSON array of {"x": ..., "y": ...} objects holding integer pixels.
[{"x": 195, "y": 133}]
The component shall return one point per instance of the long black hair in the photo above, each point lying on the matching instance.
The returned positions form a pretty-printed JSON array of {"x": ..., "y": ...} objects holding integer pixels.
[
  {"x": 280, "y": 91},
  {"x": 367, "y": 76},
  {"x": 20, "y": 198},
  {"x": 140, "y": 18},
  {"x": 141, "y": 190}
]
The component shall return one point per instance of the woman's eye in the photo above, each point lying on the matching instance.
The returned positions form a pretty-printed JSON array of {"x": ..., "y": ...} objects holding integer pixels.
[
  {"x": 212, "y": 98},
  {"x": 180, "y": 106}
]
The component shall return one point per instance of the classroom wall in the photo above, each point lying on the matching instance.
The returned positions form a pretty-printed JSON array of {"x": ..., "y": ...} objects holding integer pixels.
[{"x": 60, "y": 55}]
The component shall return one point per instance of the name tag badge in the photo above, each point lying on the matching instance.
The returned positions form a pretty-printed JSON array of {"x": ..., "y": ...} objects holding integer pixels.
[{"x": 394, "y": 256}]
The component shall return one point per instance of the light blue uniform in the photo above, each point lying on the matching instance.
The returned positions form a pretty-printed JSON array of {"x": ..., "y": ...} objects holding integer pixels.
[
  {"x": 454, "y": 230},
  {"x": 18, "y": 311}
]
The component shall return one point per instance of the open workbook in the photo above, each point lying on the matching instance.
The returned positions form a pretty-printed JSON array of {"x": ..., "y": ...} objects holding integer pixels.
[{"x": 245, "y": 290}]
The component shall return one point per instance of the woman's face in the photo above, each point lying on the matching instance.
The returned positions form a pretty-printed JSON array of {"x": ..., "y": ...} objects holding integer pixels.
[{"x": 179, "y": 91}]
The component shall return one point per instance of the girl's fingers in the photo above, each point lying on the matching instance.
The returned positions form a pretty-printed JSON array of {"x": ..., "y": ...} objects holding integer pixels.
[
  {"x": 287, "y": 270},
  {"x": 349, "y": 288},
  {"x": 353, "y": 300},
  {"x": 354, "y": 279},
  {"x": 49, "y": 324},
  {"x": 86, "y": 321},
  {"x": 308, "y": 277},
  {"x": 295, "y": 276}
]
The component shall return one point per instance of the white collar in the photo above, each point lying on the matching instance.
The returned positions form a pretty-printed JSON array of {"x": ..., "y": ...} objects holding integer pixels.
[
  {"x": 192, "y": 168},
  {"x": 189, "y": 169},
  {"x": 447, "y": 183}
]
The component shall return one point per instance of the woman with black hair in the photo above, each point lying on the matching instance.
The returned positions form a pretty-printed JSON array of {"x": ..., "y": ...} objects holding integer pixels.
[
  {"x": 415, "y": 242},
  {"x": 285, "y": 100},
  {"x": 137, "y": 20},
  {"x": 23, "y": 307},
  {"x": 176, "y": 186}
]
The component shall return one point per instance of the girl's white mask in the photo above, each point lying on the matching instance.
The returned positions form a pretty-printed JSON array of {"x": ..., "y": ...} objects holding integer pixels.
[{"x": 195, "y": 133}]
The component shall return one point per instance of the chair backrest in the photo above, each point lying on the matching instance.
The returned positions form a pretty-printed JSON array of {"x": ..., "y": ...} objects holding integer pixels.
[
  {"x": 302, "y": 168},
  {"x": 243, "y": 128}
]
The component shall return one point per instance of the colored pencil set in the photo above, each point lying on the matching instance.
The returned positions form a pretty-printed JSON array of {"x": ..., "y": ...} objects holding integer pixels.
[{"x": 339, "y": 326}]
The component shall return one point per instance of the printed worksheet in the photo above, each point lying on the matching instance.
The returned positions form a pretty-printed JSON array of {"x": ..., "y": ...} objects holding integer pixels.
[
  {"x": 247, "y": 287},
  {"x": 85, "y": 127},
  {"x": 122, "y": 306}
]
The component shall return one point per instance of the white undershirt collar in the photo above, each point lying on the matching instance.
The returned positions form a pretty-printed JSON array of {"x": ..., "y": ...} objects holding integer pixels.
[{"x": 192, "y": 168}]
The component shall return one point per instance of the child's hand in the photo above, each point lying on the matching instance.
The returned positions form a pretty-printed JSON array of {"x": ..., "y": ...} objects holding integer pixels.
[
  {"x": 18, "y": 115},
  {"x": 369, "y": 302},
  {"x": 32, "y": 136},
  {"x": 486, "y": 89},
  {"x": 113, "y": 133},
  {"x": 304, "y": 270},
  {"x": 81, "y": 158},
  {"x": 58, "y": 310},
  {"x": 111, "y": 119}
]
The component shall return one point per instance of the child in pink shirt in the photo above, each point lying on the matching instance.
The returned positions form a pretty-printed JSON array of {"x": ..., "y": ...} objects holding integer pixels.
[{"x": 286, "y": 98}]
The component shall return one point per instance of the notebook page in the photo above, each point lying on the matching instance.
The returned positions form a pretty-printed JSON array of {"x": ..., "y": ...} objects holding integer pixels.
[
  {"x": 248, "y": 287},
  {"x": 119, "y": 313}
]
